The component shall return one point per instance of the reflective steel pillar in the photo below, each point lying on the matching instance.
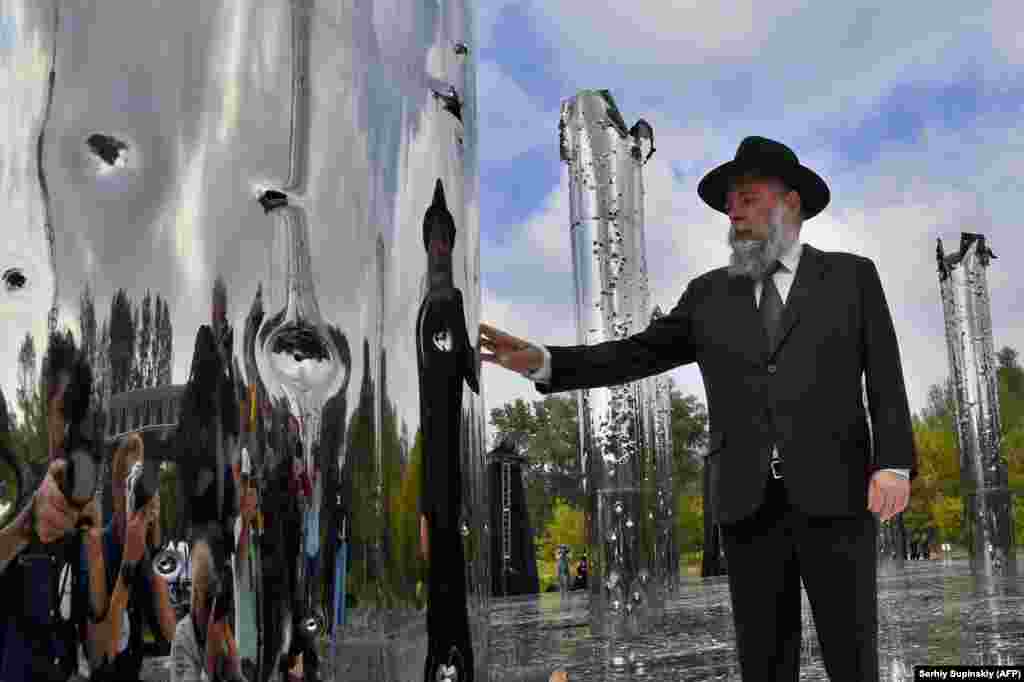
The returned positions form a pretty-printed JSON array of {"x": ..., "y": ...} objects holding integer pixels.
[
  {"x": 264, "y": 204},
  {"x": 666, "y": 557},
  {"x": 603, "y": 158},
  {"x": 988, "y": 504}
]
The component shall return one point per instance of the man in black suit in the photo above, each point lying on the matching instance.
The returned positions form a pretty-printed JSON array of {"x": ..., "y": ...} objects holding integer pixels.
[{"x": 782, "y": 335}]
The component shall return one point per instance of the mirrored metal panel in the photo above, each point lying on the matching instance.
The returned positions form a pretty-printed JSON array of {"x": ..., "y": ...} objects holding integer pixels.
[
  {"x": 258, "y": 220},
  {"x": 617, "y": 429}
]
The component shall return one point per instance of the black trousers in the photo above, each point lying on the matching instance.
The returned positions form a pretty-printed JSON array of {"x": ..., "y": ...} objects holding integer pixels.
[{"x": 769, "y": 553}]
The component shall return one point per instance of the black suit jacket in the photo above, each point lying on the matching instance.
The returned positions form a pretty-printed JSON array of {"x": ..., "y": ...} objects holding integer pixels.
[{"x": 804, "y": 395}]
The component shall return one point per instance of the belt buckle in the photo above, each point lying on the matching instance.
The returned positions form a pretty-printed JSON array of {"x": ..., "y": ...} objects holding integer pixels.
[{"x": 776, "y": 467}]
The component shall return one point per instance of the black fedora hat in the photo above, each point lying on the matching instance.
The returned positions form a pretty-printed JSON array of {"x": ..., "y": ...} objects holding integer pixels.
[{"x": 772, "y": 159}]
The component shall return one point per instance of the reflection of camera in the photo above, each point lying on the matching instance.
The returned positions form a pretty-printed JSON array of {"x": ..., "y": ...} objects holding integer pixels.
[
  {"x": 64, "y": 364},
  {"x": 83, "y": 467},
  {"x": 142, "y": 485}
]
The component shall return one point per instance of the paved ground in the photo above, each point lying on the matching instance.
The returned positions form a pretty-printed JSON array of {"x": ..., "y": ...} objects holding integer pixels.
[{"x": 930, "y": 612}]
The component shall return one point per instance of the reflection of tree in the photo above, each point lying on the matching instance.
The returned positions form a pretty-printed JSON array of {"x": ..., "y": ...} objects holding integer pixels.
[
  {"x": 412, "y": 568},
  {"x": 145, "y": 371},
  {"x": 163, "y": 342},
  {"x": 137, "y": 342},
  {"x": 9, "y": 491},
  {"x": 26, "y": 369},
  {"x": 29, "y": 439},
  {"x": 362, "y": 472},
  {"x": 121, "y": 350},
  {"x": 401, "y": 520}
]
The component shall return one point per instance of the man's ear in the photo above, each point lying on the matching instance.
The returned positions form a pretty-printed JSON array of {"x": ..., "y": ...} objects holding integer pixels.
[{"x": 794, "y": 203}]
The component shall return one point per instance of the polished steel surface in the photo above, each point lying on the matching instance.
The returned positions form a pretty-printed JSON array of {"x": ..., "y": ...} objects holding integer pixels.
[
  {"x": 665, "y": 566},
  {"x": 618, "y": 445},
  {"x": 988, "y": 504},
  {"x": 262, "y": 168}
]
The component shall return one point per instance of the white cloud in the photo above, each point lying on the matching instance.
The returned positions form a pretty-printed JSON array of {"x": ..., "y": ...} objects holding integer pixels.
[
  {"x": 651, "y": 30},
  {"x": 1006, "y": 22}
]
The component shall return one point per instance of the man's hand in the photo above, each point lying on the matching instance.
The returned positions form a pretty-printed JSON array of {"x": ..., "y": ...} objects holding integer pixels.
[
  {"x": 509, "y": 351},
  {"x": 54, "y": 516},
  {"x": 135, "y": 536},
  {"x": 888, "y": 494}
]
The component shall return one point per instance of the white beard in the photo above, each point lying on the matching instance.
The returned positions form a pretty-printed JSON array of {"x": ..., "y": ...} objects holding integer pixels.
[{"x": 752, "y": 257}]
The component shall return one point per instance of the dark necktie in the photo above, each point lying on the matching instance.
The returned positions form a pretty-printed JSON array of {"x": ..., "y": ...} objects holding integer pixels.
[{"x": 771, "y": 304}]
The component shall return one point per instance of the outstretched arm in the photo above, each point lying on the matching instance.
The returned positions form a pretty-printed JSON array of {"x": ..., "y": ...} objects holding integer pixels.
[{"x": 666, "y": 343}]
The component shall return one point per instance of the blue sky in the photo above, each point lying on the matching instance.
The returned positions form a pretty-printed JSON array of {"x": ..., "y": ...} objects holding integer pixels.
[{"x": 910, "y": 111}]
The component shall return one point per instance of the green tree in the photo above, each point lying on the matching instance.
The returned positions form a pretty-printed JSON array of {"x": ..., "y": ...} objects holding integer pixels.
[
  {"x": 689, "y": 436},
  {"x": 566, "y": 528},
  {"x": 690, "y": 523},
  {"x": 406, "y": 514},
  {"x": 1011, "y": 391},
  {"x": 513, "y": 418}
]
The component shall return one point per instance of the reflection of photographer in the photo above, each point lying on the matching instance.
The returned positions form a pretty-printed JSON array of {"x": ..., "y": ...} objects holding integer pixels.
[
  {"x": 204, "y": 645},
  {"x": 137, "y": 595},
  {"x": 36, "y": 644}
]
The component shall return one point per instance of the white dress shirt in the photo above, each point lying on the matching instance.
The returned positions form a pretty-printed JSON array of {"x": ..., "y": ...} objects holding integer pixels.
[{"x": 783, "y": 279}]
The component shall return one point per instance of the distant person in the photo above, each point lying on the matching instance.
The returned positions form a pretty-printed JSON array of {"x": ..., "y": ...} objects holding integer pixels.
[
  {"x": 786, "y": 337},
  {"x": 582, "y": 574},
  {"x": 562, "y": 561}
]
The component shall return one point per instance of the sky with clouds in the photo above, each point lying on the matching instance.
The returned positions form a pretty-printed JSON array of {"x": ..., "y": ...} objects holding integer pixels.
[{"x": 910, "y": 111}]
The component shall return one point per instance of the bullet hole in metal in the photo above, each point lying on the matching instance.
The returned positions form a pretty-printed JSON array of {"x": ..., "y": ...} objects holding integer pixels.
[
  {"x": 14, "y": 279},
  {"x": 272, "y": 199},
  {"x": 109, "y": 149},
  {"x": 452, "y": 103}
]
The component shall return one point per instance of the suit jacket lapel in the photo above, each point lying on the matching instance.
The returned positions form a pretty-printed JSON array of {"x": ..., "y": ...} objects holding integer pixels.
[
  {"x": 747, "y": 318},
  {"x": 806, "y": 285}
]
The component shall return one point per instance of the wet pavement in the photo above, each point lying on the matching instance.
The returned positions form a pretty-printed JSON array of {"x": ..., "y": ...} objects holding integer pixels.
[{"x": 930, "y": 612}]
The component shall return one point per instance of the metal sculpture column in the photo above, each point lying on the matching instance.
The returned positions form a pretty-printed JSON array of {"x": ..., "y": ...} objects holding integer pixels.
[
  {"x": 983, "y": 471},
  {"x": 666, "y": 567},
  {"x": 598, "y": 148}
]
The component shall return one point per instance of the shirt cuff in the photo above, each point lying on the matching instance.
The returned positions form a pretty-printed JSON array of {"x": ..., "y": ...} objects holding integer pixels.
[
  {"x": 902, "y": 473},
  {"x": 542, "y": 375}
]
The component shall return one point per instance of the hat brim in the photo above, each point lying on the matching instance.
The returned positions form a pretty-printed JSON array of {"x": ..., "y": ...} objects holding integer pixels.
[{"x": 814, "y": 193}]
